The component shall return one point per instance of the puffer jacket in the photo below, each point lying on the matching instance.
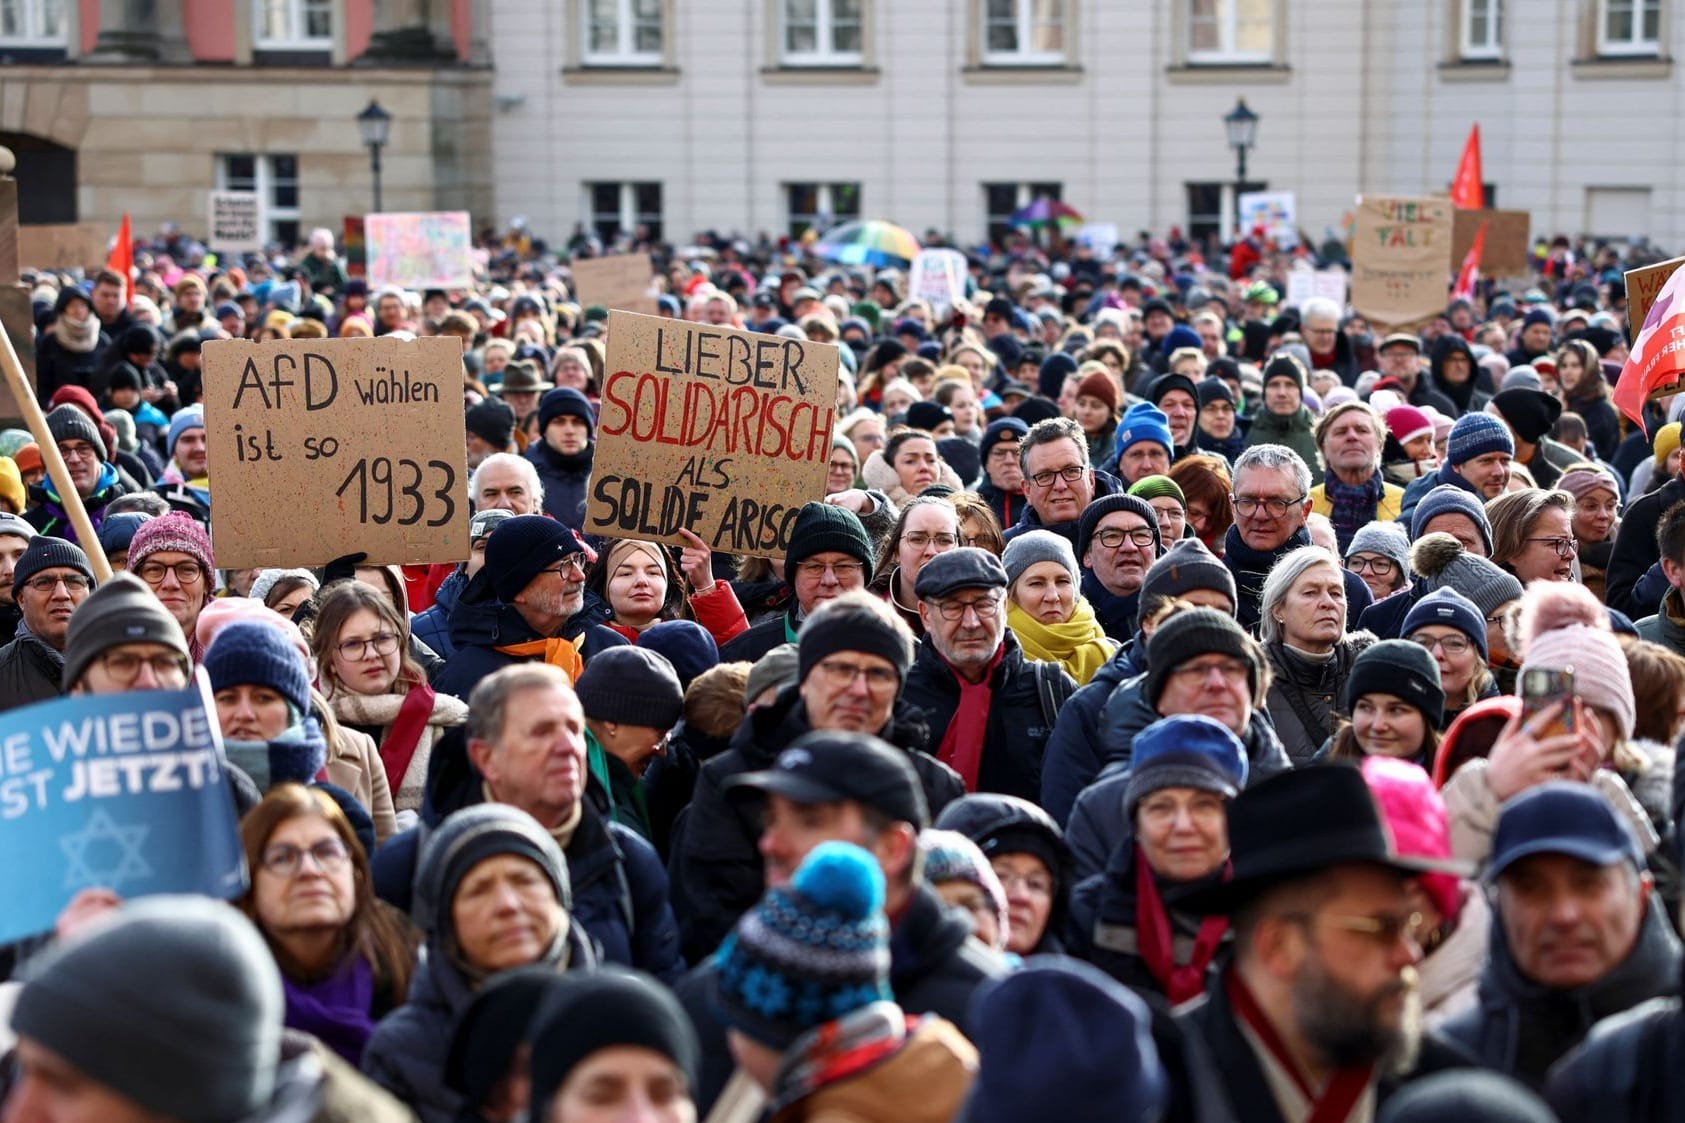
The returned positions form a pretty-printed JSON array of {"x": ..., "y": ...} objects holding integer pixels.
[
  {"x": 432, "y": 624},
  {"x": 1306, "y": 698},
  {"x": 479, "y": 625}
]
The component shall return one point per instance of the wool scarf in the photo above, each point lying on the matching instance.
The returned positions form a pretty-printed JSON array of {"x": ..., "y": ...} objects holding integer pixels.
[
  {"x": 560, "y": 653},
  {"x": 410, "y": 723},
  {"x": 1181, "y": 981},
  {"x": 79, "y": 338},
  {"x": 1080, "y": 643},
  {"x": 839, "y": 1049},
  {"x": 1344, "y": 1087},
  {"x": 337, "y": 1009},
  {"x": 962, "y": 744},
  {"x": 1352, "y": 507}
]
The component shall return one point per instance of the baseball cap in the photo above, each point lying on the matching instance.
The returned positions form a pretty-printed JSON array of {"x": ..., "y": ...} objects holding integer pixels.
[
  {"x": 1561, "y": 817},
  {"x": 484, "y": 522},
  {"x": 831, "y": 767}
]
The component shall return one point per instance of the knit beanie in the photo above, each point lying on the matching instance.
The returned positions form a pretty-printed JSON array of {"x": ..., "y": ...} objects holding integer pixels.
[
  {"x": 1095, "y": 511},
  {"x": 464, "y": 840},
  {"x": 1583, "y": 479},
  {"x": 188, "y": 417},
  {"x": 1284, "y": 365},
  {"x": 822, "y": 528},
  {"x": 568, "y": 402},
  {"x": 1185, "y": 751},
  {"x": 1667, "y": 439},
  {"x": 1188, "y": 635},
  {"x": 16, "y": 526},
  {"x": 176, "y": 532},
  {"x": 47, "y": 552},
  {"x": 28, "y": 458},
  {"x": 951, "y": 856},
  {"x": 267, "y": 579},
  {"x": 1385, "y": 538},
  {"x": 1407, "y": 423},
  {"x": 173, "y": 1002},
  {"x": 685, "y": 644},
  {"x": 1050, "y": 380},
  {"x": 854, "y": 628},
  {"x": 1158, "y": 487},
  {"x": 1187, "y": 565},
  {"x": 584, "y": 1012},
  {"x": 926, "y": 416},
  {"x": 492, "y": 421},
  {"x": 123, "y": 422},
  {"x": 1043, "y": 545},
  {"x": 248, "y": 653},
  {"x": 486, "y": 521},
  {"x": 809, "y": 952},
  {"x": 1447, "y": 607},
  {"x": 1564, "y": 636},
  {"x": 777, "y": 668},
  {"x": 1476, "y": 434},
  {"x": 1036, "y": 409},
  {"x": 1100, "y": 386},
  {"x": 492, "y": 1028},
  {"x": 117, "y": 532},
  {"x": 123, "y": 610},
  {"x": 11, "y": 485},
  {"x": 1165, "y": 383},
  {"x": 1537, "y": 316},
  {"x": 1144, "y": 422},
  {"x": 632, "y": 686},
  {"x": 1214, "y": 390},
  {"x": 1440, "y": 561},
  {"x": 1469, "y": 1094},
  {"x": 1523, "y": 377},
  {"x": 1416, "y": 819},
  {"x": 523, "y": 546},
  {"x": 1449, "y": 499},
  {"x": 1403, "y": 669},
  {"x": 67, "y": 423},
  {"x": 1530, "y": 413},
  {"x": 1003, "y": 429}
]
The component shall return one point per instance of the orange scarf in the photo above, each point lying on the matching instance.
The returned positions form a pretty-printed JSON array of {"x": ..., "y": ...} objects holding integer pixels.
[{"x": 561, "y": 653}]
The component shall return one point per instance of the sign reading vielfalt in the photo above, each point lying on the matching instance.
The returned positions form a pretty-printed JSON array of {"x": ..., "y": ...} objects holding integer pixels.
[
  {"x": 325, "y": 447},
  {"x": 723, "y": 432}
]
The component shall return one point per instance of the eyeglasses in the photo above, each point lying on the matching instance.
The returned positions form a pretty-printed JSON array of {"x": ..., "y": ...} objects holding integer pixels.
[
  {"x": 918, "y": 540},
  {"x": 124, "y": 666},
  {"x": 1232, "y": 670},
  {"x": 1034, "y": 884},
  {"x": 1386, "y": 930},
  {"x": 1070, "y": 475},
  {"x": 1380, "y": 567},
  {"x": 78, "y": 450},
  {"x": 1564, "y": 547},
  {"x": 986, "y": 608},
  {"x": 1113, "y": 537},
  {"x": 572, "y": 561},
  {"x": 187, "y": 572},
  {"x": 1251, "y": 504},
  {"x": 46, "y": 583},
  {"x": 842, "y": 571},
  {"x": 285, "y": 860},
  {"x": 384, "y": 643},
  {"x": 1451, "y": 645},
  {"x": 841, "y": 676}
]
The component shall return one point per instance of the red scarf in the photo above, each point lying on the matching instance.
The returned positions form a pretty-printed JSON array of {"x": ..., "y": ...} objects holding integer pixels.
[
  {"x": 962, "y": 744},
  {"x": 1152, "y": 934},
  {"x": 1344, "y": 1088},
  {"x": 405, "y": 733}
]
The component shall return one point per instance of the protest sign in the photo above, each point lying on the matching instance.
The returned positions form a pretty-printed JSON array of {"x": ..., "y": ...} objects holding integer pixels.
[
  {"x": 1275, "y": 212},
  {"x": 1303, "y": 284},
  {"x": 1100, "y": 237},
  {"x": 938, "y": 277},
  {"x": 70, "y": 245},
  {"x": 419, "y": 250},
  {"x": 125, "y": 792},
  {"x": 721, "y": 431},
  {"x": 1642, "y": 285},
  {"x": 236, "y": 221},
  {"x": 1401, "y": 258},
  {"x": 327, "y": 447},
  {"x": 1655, "y": 367},
  {"x": 1506, "y": 253},
  {"x": 624, "y": 281}
]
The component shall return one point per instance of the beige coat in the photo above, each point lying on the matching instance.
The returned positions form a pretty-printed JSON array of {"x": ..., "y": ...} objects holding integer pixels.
[
  {"x": 1472, "y": 808},
  {"x": 354, "y": 764},
  {"x": 1450, "y": 976},
  {"x": 925, "y": 1081}
]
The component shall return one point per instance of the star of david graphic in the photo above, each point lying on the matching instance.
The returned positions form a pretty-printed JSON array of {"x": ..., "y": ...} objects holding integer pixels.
[{"x": 103, "y": 853}]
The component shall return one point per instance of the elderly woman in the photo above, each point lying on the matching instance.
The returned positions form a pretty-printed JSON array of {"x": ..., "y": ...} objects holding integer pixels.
[
  {"x": 1184, "y": 770},
  {"x": 1027, "y": 852},
  {"x": 345, "y": 957},
  {"x": 1380, "y": 554},
  {"x": 638, "y": 582},
  {"x": 1052, "y": 620},
  {"x": 929, "y": 525},
  {"x": 906, "y": 466},
  {"x": 492, "y": 893},
  {"x": 1453, "y": 631},
  {"x": 1533, "y": 534},
  {"x": 1395, "y": 702},
  {"x": 1302, "y": 614},
  {"x": 1597, "y": 516}
]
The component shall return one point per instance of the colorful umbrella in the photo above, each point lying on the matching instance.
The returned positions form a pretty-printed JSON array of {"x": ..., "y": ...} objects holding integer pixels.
[
  {"x": 1043, "y": 211},
  {"x": 872, "y": 242}
]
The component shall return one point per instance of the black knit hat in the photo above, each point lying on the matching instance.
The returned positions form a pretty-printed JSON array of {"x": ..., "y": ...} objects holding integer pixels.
[
  {"x": 1165, "y": 383},
  {"x": 1285, "y": 366},
  {"x": 1214, "y": 390},
  {"x": 824, "y": 527},
  {"x": 1530, "y": 413},
  {"x": 1038, "y": 408},
  {"x": 1403, "y": 669},
  {"x": 492, "y": 1028},
  {"x": 46, "y": 552},
  {"x": 492, "y": 421},
  {"x": 850, "y": 624},
  {"x": 632, "y": 686},
  {"x": 1109, "y": 504},
  {"x": 523, "y": 546},
  {"x": 584, "y": 1012},
  {"x": 1186, "y": 566},
  {"x": 67, "y": 423},
  {"x": 1188, "y": 635},
  {"x": 565, "y": 401},
  {"x": 928, "y": 415},
  {"x": 123, "y": 610}
]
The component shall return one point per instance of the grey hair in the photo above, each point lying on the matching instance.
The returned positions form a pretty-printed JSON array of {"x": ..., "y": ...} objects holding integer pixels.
[
  {"x": 1277, "y": 458},
  {"x": 535, "y": 484},
  {"x": 1045, "y": 432},
  {"x": 489, "y": 700},
  {"x": 1319, "y": 306},
  {"x": 1283, "y": 574}
]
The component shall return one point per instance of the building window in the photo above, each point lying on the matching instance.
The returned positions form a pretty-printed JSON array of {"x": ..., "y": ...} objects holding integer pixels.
[
  {"x": 1001, "y": 199},
  {"x": 818, "y": 206},
  {"x": 622, "y": 33},
  {"x": 1629, "y": 27},
  {"x": 292, "y": 25},
  {"x": 625, "y": 210},
  {"x": 822, "y": 32},
  {"x": 1024, "y": 32},
  {"x": 1483, "y": 29},
  {"x": 32, "y": 23},
  {"x": 275, "y": 179},
  {"x": 1231, "y": 31}
]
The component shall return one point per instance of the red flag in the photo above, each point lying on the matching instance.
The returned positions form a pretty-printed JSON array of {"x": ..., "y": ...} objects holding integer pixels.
[
  {"x": 1657, "y": 358},
  {"x": 1470, "y": 274},
  {"x": 1467, "y": 189},
  {"x": 121, "y": 261}
]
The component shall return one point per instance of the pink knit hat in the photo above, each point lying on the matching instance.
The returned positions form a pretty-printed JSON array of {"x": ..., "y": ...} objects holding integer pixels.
[
  {"x": 1406, "y": 423},
  {"x": 1416, "y": 817},
  {"x": 177, "y": 532},
  {"x": 1562, "y": 626},
  {"x": 1583, "y": 479},
  {"x": 223, "y": 611}
]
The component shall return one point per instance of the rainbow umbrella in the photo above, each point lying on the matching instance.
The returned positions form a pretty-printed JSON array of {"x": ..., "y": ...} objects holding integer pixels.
[
  {"x": 1043, "y": 211},
  {"x": 872, "y": 242}
]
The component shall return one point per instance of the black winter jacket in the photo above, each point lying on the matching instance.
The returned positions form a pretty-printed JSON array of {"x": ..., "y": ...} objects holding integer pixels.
[
  {"x": 1627, "y": 1071},
  {"x": 1075, "y": 754},
  {"x": 1635, "y": 547},
  {"x": 749, "y": 646},
  {"x": 480, "y": 624},
  {"x": 30, "y": 671},
  {"x": 564, "y": 479}
]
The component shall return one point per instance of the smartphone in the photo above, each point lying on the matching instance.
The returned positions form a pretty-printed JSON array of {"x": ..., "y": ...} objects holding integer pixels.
[{"x": 1539, "y": 689}]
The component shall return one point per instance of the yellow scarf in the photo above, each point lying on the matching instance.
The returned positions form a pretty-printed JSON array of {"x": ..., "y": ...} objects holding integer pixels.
[{"x": 1080, "y": 643}]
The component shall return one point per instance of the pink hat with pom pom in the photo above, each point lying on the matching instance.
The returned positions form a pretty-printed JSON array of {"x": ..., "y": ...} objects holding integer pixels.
[
  {"x": 1563, "y": 627},
  {"x": 1415, "y": 815}
]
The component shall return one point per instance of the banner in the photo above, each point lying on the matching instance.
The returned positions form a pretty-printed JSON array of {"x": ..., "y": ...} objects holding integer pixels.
[
  {"x": 625, "y": 281},
  {"x": 1655, "y": 365},
  {"x": 419, "y": 251},
  {"x": 125, "y": 792},
  {"x": 1303, "y": 284},
  {"x": 1401, "y": 258},
  {"x": 70, "y": 245},
  {"x": 236, "y": 224},
  {"x": 327, "y": 447},
  {"x": 938, "y": 278},
  {"x": 724, "y": 432},
  {"x": 1642, "y": 287},
  {"x": 1277, "y": 212},
  {"x": 1506, "y": 251}
]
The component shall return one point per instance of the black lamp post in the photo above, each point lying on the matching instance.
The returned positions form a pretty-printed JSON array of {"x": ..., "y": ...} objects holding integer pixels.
[
  {"x": 1242, "y": 126},
  {"x": 375, "y": 124}
]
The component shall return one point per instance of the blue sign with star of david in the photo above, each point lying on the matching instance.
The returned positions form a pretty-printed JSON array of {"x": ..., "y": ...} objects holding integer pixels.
[{"x": 125, "y": 792}]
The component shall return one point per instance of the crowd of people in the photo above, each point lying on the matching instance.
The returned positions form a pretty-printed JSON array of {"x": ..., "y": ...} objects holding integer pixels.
[{"x": 1180, "y": 705}]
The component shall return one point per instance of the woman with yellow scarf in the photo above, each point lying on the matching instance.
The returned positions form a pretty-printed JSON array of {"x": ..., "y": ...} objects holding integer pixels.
[{"x": 1052, "y": 620}]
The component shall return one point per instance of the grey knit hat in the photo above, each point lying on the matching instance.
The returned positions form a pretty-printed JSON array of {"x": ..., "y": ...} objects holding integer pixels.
[
  {"x": 67, "y": 423},
  {"x": 267, "y": 579},
  {"x": 632, "y": 686},
  {"x": 1186, "y": 566},
  {"x": 174, "y": 1003},
  {"x": 776, "y": 668},
  {"x": 1440, "y": 561},
  {"x": 47, "y": 552},
  {"x": 464, "y": 840},
  {"x": 123, "y": 610},
  {"x": 1188, "y": 635},
  {"x": 1038, "y": 546},
  {"x": 1385, "y": 538},
  {"x": 1449, "y": 499}
]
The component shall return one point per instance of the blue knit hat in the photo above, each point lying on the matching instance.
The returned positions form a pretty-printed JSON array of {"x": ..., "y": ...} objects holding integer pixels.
[
  {"x": 1449, "y": 499},
  {"x": 252, "y": 653},
  {"x": 686, "y": 644},
  {"x": 1476, "y": 434},
  {"x": 1144, "y": 422},
  {"x": 190, "y": 417},
  {"x": 1447, "y": 606},
  {"x": 809, "y": 952},
  {"x": 1185, "y": 751},
  {"x": 565, "y": 401},
  {"x": 1002, "y": 429}
]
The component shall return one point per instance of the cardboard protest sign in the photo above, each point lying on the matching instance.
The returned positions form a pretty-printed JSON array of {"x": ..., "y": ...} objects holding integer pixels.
[
  {"x": 1275, "y": 212},
  {"x": 70, "y": 245},
  {"x": 236, "y": 221},
  {"x": 624, "y": 281},
  {"x": 1506, "y": 253},
  {"x": 1303, "y": 284},
  {"x": 1401, "y": 258},
  {"x": 938, "y": 277},
  {"x": 120, "y": 791},
  {"x": 1642, "y": 286},
  {"x": 325, "y": 447},
  {"x": 723, "y": 432},
  {"x": 419, "y": 250}
]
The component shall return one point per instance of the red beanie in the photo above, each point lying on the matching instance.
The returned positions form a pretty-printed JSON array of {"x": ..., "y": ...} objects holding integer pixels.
[{"x": 1099, "y": 385}]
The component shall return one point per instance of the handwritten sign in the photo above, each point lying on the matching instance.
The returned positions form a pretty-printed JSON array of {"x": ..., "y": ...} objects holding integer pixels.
[
  {"x": 70, "y": 245},
  {"x": 325, "y": 447},
  {"x": 1304, "y": 284},
  {"x": 236, "y": 221},
  {"x": 624, "y": 281},
  {"x": 938, "y": 278},
  {"x": 1274, "y": 212},
  {"x": 1506, "y": 253},
  {"x": 1401, "y": 258},
  {"x": 721, "y": 431},
  {"x": 1643, "y": 285},
  {"x": 120, "y": 791},
  {"x": 419, "y": 250}
]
